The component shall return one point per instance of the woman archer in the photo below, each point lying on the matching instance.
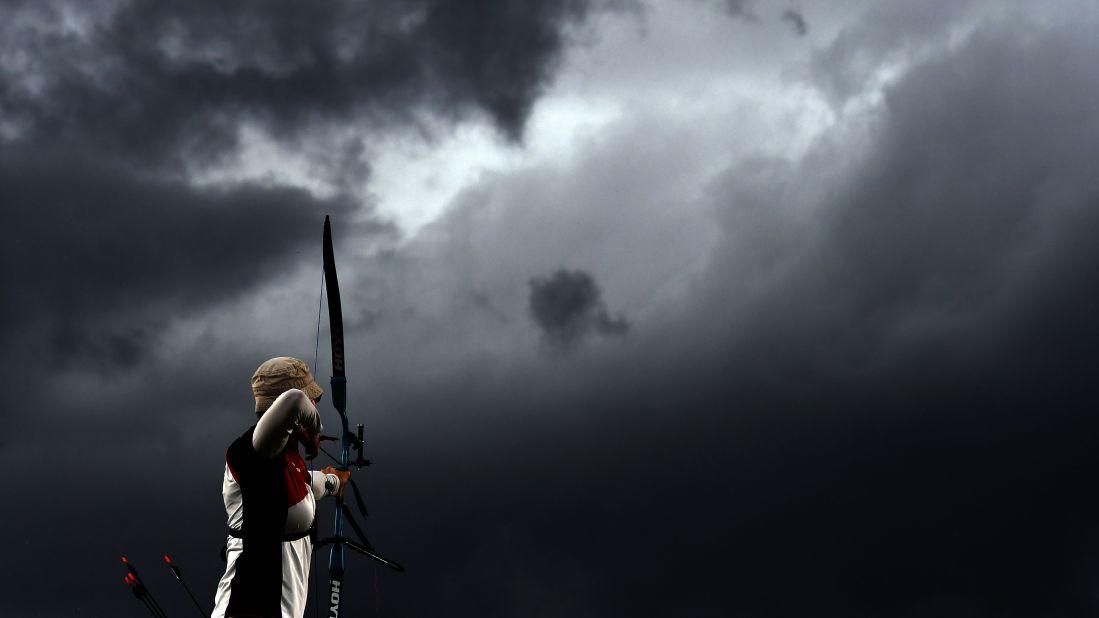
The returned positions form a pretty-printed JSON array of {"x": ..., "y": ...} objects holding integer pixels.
[{"x": 270, "y": 497}]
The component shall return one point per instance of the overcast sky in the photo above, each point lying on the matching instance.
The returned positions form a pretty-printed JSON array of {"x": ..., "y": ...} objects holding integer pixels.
[{"x": 741, "y": 308}]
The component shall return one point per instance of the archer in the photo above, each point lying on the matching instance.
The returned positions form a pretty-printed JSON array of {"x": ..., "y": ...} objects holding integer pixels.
[{"x": 270, "y": 497}]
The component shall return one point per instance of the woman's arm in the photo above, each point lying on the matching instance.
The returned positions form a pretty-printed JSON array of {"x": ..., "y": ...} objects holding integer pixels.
[{"x": 291, "y": 410}]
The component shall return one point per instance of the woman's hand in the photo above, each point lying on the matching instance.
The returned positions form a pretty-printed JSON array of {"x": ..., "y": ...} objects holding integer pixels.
[
  {"x": 343, "y": 475},
  {"x": 311, "y": 441}
]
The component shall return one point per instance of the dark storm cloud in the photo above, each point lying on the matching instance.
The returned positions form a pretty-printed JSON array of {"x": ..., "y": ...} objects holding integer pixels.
[
  {"x": 880, "y": 403},
  {"x": 949, "y": 214},
  {"x": 156, "y": 81},
  {"x": 102, "y": 259},
  {"x": 796, "y": 21},
  {"x": 106, "y": 108},
  {"x": 899, "y": 387},
  {"x": 568, "y": 306}
]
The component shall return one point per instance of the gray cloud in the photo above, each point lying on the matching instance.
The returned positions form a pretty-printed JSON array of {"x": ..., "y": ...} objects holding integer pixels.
[
  {"x": 796, "y": 21},
  {"x": 741, "y": 9},
  {"x": 887, "y": 33},
  {"x": 568, "y": 306}
]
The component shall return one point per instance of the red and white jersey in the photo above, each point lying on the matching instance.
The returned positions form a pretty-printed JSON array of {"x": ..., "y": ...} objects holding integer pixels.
[{"x": 270, "y": 496}]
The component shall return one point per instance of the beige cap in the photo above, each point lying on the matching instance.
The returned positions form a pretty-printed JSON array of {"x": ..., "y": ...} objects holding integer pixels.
[{"x": 278, "y": 375}]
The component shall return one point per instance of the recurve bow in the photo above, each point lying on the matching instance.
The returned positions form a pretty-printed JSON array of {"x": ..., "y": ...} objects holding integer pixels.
[{"x": 348, "y": 441}]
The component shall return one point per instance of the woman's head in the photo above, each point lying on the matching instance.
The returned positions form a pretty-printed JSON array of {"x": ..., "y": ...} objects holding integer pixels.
[{"x": 278, "y": 375}]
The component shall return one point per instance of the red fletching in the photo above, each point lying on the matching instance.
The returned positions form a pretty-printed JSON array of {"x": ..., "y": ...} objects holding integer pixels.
[{"x": 167, "y": 559}]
